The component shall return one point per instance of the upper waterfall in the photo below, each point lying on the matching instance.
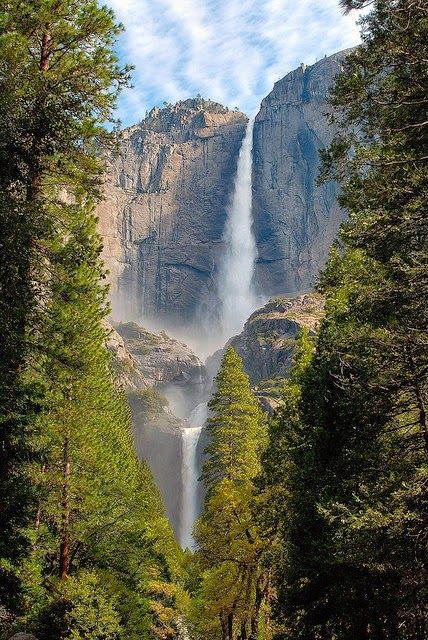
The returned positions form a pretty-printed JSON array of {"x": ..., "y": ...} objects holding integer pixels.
[{"x": 235, "y": 278}]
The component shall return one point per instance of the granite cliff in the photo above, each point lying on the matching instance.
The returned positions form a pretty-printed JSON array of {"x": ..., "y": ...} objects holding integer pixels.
[
  {"x": 267, "y": 343},
  {"x": 295, "y": 220},
  {"x": 163, "y": 380},
  {"x": 166, "y": 189}
]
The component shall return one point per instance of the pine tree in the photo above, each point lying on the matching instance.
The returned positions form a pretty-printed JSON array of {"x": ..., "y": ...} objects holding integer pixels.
[
  {"x": 97, "y": 505},
  {"x": 86, "y": 550},
  {"x": 58, "y": 81},
  {"x": 234, "y": 428},
  {"x": 233, "y": 592},
  {"x": 352, "y": 543}
]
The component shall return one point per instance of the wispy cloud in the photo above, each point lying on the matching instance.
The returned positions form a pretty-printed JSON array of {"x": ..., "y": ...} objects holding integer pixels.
[{"x": 231, "y": 51}]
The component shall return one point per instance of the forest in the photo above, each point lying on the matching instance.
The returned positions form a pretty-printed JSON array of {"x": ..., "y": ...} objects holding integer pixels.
[{"x": 314, "y": 523}]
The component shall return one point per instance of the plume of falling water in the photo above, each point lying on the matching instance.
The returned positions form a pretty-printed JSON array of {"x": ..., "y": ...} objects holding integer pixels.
[
  {"x": 235, "y": 281},
  {"x": 190, "y": 473}
]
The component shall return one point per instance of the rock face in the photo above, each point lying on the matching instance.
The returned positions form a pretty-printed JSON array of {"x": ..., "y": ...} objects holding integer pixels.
[
  {"x": 167, "y": 364},
  {"x": 127, "y": 371},
  {"x": 266, "y": 344},
  {"x": 166, "y": 190},
  {"x": 158, "y": 441},
  {"x": 295, "y": 221},
  {"x": 168, "y": 183},
  {"x": 163, "y": 380}
]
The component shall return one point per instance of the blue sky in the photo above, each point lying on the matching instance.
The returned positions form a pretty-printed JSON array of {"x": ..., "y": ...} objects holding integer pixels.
[{"x": 231, "y": 51}]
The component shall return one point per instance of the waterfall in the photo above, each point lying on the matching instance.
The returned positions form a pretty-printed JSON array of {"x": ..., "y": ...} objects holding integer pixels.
[
  {"x": 235, "y": 282},
  {"x": 190, "y": 473}
]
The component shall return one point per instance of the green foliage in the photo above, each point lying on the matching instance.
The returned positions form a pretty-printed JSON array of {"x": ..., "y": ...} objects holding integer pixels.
[
  {"x": 345, "y": 475},
  {"x": 58, "y": 80},
  {"x": 80, "y": 605},
  {"x": 82, "y": 529},
  {"x": 235, "y": 426},
  {"x": 148, "y": 403},
  {"x": 233, "y": 590}
]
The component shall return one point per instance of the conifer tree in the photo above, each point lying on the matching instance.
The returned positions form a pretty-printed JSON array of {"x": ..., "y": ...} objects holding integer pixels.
[
  {"x": 233, "y": 593},
  {"x": 353, "y": 476},
  {"x": 234, "y": 428},
  {"x": 86, "y": 551},
  {"x": 58, "y": 81}
]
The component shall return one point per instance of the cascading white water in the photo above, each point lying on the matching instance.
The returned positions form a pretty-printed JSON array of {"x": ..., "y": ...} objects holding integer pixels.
[
  {"x": 237, "y": 302},
  {"x": 190, "y": 473},
  {"x": 235, "y": 281}
]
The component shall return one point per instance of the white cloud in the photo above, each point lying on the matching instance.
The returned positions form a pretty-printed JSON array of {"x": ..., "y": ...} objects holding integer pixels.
[{"x": 231, "y": 51}]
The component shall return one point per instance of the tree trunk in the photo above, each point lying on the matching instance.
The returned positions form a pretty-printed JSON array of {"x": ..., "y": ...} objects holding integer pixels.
[
  {"x": 45, "y": 52},
  {"x": 243, "y": 632},
  {"x": 261, "y": 590},
  {"x": 223, "y": 625},
  {"x": 65, "y": 513},
  {"x": 230, "y": 625},
  {"x": 420, "y": 402}
]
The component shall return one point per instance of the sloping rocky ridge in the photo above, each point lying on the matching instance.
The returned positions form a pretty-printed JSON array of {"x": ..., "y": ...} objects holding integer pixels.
[
  {"x": 166, "y": 189},
  {"x": 295, "y": 220},
  {"x": 158, "y": 374}
]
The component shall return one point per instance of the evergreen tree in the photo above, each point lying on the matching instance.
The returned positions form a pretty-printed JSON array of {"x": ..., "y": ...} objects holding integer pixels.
[
  {"x": 58, "y": 81},
  {"x": 352, "y": 468},
  {"x": 234, "y": 586},
  {"x": 86, "y": 550},
  {"x": 234, "y": 428}
]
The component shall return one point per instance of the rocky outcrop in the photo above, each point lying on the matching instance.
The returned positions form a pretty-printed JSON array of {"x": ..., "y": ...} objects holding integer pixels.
[
  {"x": 267, "y": 342},
  {"x": 163, "y": 380},
  {"x": 161, "y": 359},
  {"x": 295, "y": 221},
  {"x": 168, "y": 182},
  {"x": 169, "y": 365},
  {"x": 166, "y": 189},
  {"x": 128, "y": 373}
]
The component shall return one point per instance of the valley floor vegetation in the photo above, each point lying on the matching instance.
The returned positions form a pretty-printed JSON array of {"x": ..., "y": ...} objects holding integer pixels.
[{"x": 315, "y": 520}]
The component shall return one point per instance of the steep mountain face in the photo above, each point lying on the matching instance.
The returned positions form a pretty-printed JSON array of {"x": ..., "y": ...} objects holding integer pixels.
[
  {"x": 167, "y": 364},
  {"x": 168, "y": 183},
  {"x": 162, "y": 219},
  {"x": 295, "y": 221},
  {"x": 268, "y": 339},
  {"x": 127, "y": 372}
]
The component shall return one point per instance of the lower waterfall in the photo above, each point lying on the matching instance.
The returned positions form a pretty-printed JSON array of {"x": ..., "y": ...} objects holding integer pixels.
[{"x": 190, "y": 473}]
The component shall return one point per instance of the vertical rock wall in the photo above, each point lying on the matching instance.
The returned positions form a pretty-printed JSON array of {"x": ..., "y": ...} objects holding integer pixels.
[
  {"x": 295, "y": 220},
  {"x": 168, "y": 184},
  {"x": 162, "y": 221}
]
